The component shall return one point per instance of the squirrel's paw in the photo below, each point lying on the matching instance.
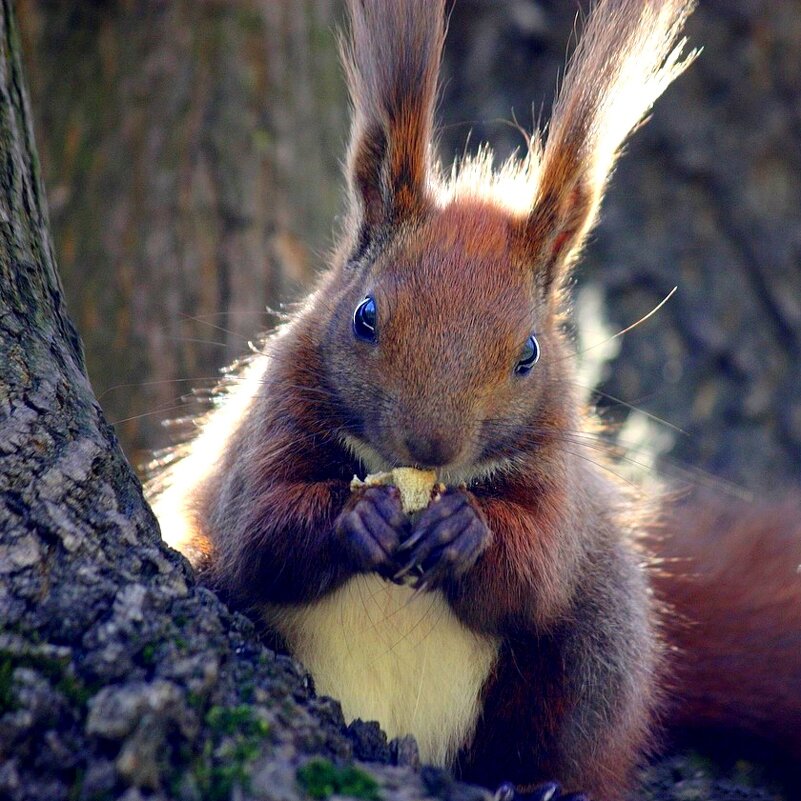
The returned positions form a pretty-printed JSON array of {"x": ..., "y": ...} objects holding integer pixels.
[
  {"x": 371, "y": 527},
  {"x": 446, "y": 540},
  {"x": 547, "y": 791}
]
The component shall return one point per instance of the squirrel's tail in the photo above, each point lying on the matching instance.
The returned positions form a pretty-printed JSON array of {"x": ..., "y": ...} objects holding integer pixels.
[{"x": 729, "y": 574}]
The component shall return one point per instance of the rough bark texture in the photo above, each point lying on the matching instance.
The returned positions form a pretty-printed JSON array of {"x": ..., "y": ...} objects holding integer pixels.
[{"x": 119, "y": 678}]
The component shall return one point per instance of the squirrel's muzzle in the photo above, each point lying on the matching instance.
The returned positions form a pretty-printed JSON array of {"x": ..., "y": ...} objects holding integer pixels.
[{"x": 435, "y": 449}]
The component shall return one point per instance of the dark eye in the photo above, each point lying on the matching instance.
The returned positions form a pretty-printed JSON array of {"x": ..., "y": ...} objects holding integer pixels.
[
  {"x": 529, "y": 356},
  {"x": 364, "y": 320}
]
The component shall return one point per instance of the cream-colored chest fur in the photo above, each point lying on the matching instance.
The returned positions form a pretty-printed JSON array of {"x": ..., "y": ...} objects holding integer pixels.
[{"x": 404, "y": 661}]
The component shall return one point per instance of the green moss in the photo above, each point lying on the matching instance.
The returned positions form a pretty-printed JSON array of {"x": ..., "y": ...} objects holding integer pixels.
[
  {"x": 216, "y": 780},
  {"x": 57, "y": 671},
  {"x": 75, "y": 690},
  {"x": 698, "y": 763},
  {"x": 149, "y": 654},
  {"x": 77, "y": 792},
  {"x": 239, "y": 720},
  {"x": 236, "y": 737},
  {"x": 48, "y": 666},
  {"x": 321, "y": 779},
  {"x": 77, "y": 786}
]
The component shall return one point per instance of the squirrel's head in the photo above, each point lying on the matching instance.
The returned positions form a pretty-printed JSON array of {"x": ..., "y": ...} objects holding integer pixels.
[{"x": 444, "y": 341}]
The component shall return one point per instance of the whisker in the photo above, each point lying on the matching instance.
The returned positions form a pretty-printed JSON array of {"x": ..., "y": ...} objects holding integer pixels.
[
  {"x": 190, "y": 318},
  {"x": 629, "y": 327},
  {"x": 623, "y": 451},
  {"x": 603, "y": 466},
  {"x": 135, "y": 384},
  {"x": 198, "y": 341},
  {"x": 412, "y": 628},
  {"x": 345, "y": 637},
  {"x": 425, "y": 640},
  {"x": 632, "y": 407},
  {"x": 160, "y": 410},
  {"x": 231, "y": 313},
  {"x": 373, "y": 623}
]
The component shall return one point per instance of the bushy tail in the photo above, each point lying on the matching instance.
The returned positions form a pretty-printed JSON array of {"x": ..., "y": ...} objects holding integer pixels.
[{"x": 730, "y": 576}]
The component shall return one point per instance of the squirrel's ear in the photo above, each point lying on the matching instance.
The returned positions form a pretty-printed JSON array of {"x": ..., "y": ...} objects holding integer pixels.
[
  {"x": 392, "y": 59},
  {"x": 628, "y": 54}
]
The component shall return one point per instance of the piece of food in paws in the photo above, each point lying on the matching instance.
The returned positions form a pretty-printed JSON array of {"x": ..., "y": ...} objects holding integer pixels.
[{"x": 417, "y": 487}]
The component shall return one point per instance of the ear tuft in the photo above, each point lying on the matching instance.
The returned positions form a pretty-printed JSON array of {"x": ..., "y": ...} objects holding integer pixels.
[
  {"x": 628, "y": 55},
  {"x": 392, "y": 60},
  {"x": 367, "y": 175}
]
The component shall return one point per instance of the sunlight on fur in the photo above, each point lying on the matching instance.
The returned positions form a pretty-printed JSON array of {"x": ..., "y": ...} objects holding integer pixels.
[
  {"x": 188, "y": 466},
  {"x": 513, "y": 185},
  {"x": 606, "y": 91}
]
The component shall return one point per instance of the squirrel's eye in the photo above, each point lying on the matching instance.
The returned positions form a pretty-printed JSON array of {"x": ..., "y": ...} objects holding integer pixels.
[
  {"x": 529, "y": 356},
  {"x": 364, "y": 320}
]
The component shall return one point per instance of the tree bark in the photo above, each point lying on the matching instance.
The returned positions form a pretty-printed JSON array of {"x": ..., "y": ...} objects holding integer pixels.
[
  {"x": 718, "y": 191},
  {"x": 119, "y": 678}
]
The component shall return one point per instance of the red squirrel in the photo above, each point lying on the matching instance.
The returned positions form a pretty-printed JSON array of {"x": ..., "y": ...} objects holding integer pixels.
[{"x": 529, "y": 644}]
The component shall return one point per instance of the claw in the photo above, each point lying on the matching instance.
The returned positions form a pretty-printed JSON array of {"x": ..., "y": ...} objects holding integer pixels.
[
  {"x": 432, "y": 576},
  {"x": 412, "y": 541},
  {"x": 545, "y": 792},
  {"x": 405, "y": 570},
  {"x": 505, "y": 792}
]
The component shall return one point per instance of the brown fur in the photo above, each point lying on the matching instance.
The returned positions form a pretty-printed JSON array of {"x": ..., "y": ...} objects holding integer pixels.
[
  {"x": 626, "y": 56},
  {"x": 462, "y": 273},
  {"x": 729, "y": 573},
  {"x": 392, "y": 63}
]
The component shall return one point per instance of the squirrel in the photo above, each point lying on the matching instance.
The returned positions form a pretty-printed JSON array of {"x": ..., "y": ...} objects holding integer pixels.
[{"x": 516, "y": 627}]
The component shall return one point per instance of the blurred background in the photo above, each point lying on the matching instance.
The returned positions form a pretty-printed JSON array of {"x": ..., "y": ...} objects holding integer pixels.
[{"x": 191, "y": 153}]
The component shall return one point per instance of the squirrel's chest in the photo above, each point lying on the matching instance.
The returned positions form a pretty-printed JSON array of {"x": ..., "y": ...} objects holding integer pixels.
[{"x": 404, "y": 661}]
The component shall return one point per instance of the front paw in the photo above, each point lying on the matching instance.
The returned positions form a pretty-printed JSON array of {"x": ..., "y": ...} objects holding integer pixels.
[
  {"x": 370, "y": 529},
  {"x": 446, "y": 541}
]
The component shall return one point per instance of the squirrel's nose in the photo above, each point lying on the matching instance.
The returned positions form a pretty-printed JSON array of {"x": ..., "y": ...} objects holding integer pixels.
[{"x": 433, "y": 450}]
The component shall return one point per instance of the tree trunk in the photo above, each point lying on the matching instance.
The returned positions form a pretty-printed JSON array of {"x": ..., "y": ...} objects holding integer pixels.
[
  {"x": 117, "y": 673},
  {"x": 718, "y": 192},
  {"x": 190, "y": 152}
]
